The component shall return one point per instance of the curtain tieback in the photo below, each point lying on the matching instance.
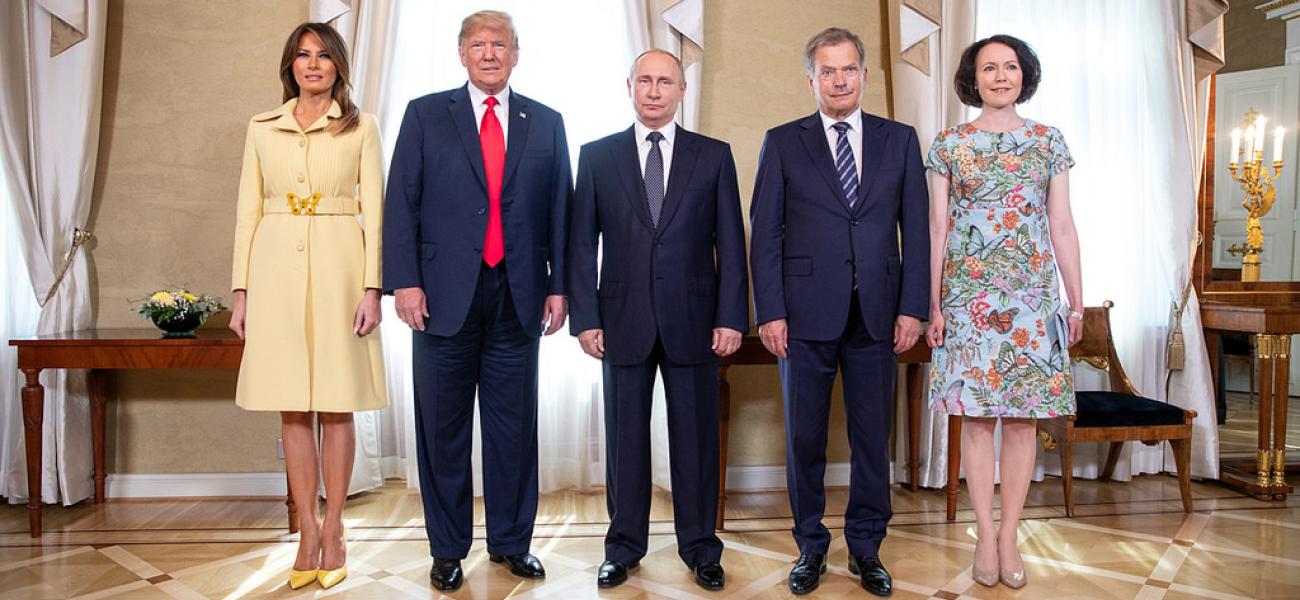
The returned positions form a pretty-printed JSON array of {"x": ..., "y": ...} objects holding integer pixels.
[{"x": 79, "y": 237}]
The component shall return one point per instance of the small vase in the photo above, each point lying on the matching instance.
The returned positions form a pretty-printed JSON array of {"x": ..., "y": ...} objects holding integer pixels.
[{"x": 181, "y": 327}]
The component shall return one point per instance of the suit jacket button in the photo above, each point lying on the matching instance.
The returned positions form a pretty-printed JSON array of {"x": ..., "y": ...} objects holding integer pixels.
[
  {"x": 301, "y": 178},
  {"x": 302, "y": 142},
  {"x": 854, "y": 222},
  {"x": 482, "y": 211},
  {"x": 300, "y": 246},
  {"x": 477, "y": 250}
]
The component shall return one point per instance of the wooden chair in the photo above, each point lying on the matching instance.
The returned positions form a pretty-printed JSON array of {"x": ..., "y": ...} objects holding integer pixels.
[{"x": 1116, "y": 416}]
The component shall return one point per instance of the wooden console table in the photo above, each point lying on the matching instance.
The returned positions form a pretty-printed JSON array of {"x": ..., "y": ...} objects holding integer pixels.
[
  {"x": 100, "y": 350},
  {"x": 752, "y": 352},
  {"x": 1272, "y": 326}
]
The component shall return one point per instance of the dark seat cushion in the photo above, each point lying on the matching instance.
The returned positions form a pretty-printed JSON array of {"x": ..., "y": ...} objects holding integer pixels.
[{"x": 1114, "y": 409}]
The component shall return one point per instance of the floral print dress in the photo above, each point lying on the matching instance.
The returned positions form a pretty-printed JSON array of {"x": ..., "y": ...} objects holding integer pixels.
[{"x": 1005, "y": 336}]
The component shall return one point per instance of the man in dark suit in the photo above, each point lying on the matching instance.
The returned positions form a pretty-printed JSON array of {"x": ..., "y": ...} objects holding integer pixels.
[
  {"x": 474, "y": 236},
  {"x": 664, "y": 205},
  {"x": 833, "y": 193}
]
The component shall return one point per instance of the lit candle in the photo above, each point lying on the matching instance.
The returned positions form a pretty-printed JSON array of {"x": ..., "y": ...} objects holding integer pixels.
[
  {"x": 1250, "y": 144},
  {"x": 1259, "y": 135},
  {"x": 1277, "y": 143},
  {"x": 1236, "y": 146}
]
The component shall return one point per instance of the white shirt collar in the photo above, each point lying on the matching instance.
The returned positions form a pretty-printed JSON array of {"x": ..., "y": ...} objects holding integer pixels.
[
  {"x": 669, "y": 131},
  {"x": 854, "y": 120},
  {"x": 478, "y": 96}
]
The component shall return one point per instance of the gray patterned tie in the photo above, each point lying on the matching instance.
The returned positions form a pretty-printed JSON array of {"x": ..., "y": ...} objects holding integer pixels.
[
  {"x": 844, "y": 163},
  {"x": 654, "y": 177}
]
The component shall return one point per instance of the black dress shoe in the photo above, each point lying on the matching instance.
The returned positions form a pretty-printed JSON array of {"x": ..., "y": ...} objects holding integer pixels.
[
  {"x": 875, "y": 578},
  {"x": 523, "y": 565},
  {"x": 612, "y": 573},
  {"x": 807, "y": 573},
  {"x": 446, "y": 575},
  {"x": 710, "y": 576}
]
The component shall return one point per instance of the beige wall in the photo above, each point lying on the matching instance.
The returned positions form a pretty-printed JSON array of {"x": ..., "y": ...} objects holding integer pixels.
[
  {"x": 179, "y": 89},
  {"x": 181, "y": 80},
  {"x": 754, "y": 80},
  {"x": 1251, "y": 41}
]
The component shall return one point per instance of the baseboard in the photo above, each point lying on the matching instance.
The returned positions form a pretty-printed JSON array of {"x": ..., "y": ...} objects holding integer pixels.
[
  {"x": 772, "y": 477},
  {"x": 176, "y": 485},
  {"x": 180, "y": 485}
]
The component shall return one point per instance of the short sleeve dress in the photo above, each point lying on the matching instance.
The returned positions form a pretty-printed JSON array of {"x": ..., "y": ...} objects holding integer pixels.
[{"x": 1005, "y": 338}]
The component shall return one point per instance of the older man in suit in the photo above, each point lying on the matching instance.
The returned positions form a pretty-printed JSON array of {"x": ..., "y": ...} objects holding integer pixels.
[
  {"x": 663, "y": 204},
  {"x": 835, "y": 290},
  {"x": 474, "y": 241}
]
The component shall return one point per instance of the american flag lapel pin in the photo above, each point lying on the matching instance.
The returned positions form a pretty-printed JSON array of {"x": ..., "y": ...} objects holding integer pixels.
[{"x": 522, "y": 115}]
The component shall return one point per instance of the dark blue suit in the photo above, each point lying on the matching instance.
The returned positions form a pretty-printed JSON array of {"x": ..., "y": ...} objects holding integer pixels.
[
  {"x": 484, "y": 323},
  {"x": 662, "y": 292},
  {"x": 834, "y": 270}
]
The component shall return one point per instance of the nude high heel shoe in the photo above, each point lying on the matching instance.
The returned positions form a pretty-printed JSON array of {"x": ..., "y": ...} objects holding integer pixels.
[{"x": 985, "y": 578}]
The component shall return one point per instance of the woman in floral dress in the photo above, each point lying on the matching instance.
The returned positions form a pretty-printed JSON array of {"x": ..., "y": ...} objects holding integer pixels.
[{"x": 1000, "y": 228}]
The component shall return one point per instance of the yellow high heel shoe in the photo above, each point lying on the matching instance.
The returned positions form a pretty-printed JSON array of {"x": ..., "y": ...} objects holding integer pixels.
[
  {"x": 298, "y": 579},
  {"x": 331, "y": 578}
]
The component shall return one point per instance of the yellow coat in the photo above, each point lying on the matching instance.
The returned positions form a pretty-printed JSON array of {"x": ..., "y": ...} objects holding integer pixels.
[{"x": 306, "y": 274}]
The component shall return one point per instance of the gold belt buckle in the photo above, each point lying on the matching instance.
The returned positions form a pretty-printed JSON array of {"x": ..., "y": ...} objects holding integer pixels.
[{"x": 303, "y": 206}]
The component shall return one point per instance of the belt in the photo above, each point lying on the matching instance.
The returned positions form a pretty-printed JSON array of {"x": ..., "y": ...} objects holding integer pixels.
[{"x": 314, "y": 204}]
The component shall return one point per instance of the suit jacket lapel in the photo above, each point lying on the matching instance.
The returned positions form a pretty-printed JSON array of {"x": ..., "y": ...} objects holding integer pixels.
[
  {"x": 873, "y": 142},
  {"x": 518, "y": 138},
  {"x": 462, "y": 114},
  {"x": 679, "y": 175},
  {"x": 628, "y": 164},
  {"x": 814, "y": 139}
]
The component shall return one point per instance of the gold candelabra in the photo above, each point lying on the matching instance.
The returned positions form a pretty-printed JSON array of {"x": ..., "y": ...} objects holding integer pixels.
[{"x": 1257, "y": 181}]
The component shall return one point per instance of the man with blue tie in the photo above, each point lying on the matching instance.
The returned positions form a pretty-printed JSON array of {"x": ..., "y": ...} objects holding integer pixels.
[
  {"x": 835, "y": 290},
  {"x": 663, "y": 205},
  {"x": 474, "y": 237}
]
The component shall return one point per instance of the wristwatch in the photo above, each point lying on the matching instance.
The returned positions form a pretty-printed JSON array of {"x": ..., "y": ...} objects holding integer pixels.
[{"x": 1074, "y": 314}]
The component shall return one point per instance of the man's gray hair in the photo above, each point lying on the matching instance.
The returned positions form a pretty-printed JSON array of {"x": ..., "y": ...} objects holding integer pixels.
[
  {"x": 681, "y": 71},
  {"x": 833, "y": 36}
]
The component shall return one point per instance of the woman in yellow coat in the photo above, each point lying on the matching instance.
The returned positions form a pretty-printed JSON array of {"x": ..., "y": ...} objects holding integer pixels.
[{"x": 306, "y": 282}]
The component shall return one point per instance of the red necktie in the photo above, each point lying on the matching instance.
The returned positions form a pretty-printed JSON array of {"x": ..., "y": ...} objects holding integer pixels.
[{"x": 493, "y": 142}]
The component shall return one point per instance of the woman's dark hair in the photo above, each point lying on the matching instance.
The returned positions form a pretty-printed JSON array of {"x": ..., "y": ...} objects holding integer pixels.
[
  {"x": 968, "y": 90},
  {"x": 332, "y": 43}
]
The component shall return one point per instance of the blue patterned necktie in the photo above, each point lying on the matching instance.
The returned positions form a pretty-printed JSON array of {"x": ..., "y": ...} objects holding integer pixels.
[
  {"x": 654, "y": 177},
  {"x": 845, "y": 166}
]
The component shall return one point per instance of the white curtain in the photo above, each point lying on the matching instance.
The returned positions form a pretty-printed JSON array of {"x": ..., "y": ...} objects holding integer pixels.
[
  {"x": 1120, "y": 80},
  {"x": 927, "y": 40},
  {"x": 52, "y": 55},
  {"x": 405, "y": 49}
]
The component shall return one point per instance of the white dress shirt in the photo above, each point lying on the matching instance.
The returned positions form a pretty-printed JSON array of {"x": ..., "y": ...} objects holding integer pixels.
[
  {"x": 477, "y": 97},
  {"x": 643, "y": 146},
  {"x": 854, "y": 134}
]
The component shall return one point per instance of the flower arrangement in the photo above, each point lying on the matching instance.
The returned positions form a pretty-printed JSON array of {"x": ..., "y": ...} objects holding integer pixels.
[{"x": 177, "y": 310}]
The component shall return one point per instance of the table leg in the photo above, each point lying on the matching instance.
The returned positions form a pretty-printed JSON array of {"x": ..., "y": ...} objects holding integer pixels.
[
  {"x": 1213, "y": 345},
  {"x": 97, "y": 382},
  {"x": 724, "y": 424},
  {"x": 33, "y": 421},
  {"x": 1263, "y": 466},
  {"x": 914, "y": 384},
  {"x": 1281, "y": 395},
  {"x": 954, "y": 464},
  {"x": 289, "y": 506}
]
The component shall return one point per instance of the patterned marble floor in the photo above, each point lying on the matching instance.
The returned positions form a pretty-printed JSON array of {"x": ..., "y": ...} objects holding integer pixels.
[{"x": 1130, "y": 540}]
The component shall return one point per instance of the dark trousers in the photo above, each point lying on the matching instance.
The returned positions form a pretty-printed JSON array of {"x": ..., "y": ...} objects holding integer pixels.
[
  {"x": 692, "y": 392},
  {"x": 807, "y": 377},
  {"x": 493, "y": 355}
]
